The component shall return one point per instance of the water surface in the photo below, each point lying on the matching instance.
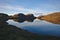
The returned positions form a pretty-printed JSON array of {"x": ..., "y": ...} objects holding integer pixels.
[{"x": 38, "y": 27}]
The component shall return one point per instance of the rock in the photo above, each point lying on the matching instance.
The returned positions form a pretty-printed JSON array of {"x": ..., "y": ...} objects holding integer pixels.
[{"x": 3, "y": 17}]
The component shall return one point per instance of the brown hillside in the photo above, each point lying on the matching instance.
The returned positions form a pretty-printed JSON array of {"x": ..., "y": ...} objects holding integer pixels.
[{"x": 53, "y": 17}]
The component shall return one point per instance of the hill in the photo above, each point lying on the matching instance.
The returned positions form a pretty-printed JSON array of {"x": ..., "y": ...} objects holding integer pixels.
[{"x": 53, "y": 17}]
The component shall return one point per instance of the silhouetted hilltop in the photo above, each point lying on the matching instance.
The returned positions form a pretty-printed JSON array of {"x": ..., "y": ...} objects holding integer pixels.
[
  {"x": 53, "y": 17},
  {"x": 21, "y": 17},
  {"x": 30, "y": 17},
  {"x": 3, "y": 17}
]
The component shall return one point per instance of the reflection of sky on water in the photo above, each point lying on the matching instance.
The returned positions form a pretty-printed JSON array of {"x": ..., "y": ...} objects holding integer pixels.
[{"x": 38, "y": 26}]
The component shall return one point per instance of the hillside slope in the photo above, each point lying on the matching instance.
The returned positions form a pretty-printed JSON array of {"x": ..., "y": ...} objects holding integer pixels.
[{"x": 53, "y": 17}]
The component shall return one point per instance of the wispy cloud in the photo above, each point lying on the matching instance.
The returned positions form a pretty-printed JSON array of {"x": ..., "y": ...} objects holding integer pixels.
[
  {"x": 17, "y": 6},
  {"x": 17, "y": 9}
]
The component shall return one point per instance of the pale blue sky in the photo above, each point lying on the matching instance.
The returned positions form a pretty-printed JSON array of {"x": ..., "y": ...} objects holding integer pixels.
[{"x": 29, "y": 6}]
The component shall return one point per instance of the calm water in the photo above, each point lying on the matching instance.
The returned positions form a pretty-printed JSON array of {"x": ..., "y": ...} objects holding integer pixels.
[{"x": 39, "y": 27}]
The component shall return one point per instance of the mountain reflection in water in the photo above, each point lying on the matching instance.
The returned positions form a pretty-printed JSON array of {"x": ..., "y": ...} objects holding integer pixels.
[{"x": 17, "y": 20}]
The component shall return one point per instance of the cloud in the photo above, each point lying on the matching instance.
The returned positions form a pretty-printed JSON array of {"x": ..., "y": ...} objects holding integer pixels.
[
  {"x": 15, "y": 6},
  {"x": 16, "y": 9}
]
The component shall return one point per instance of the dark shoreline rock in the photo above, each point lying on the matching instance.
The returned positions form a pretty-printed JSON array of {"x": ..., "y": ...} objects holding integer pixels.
[{"x": 3, "y": 17}]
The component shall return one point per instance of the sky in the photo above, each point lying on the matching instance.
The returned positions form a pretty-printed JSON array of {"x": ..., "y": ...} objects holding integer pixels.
[{"x": 36, "y": 7}]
